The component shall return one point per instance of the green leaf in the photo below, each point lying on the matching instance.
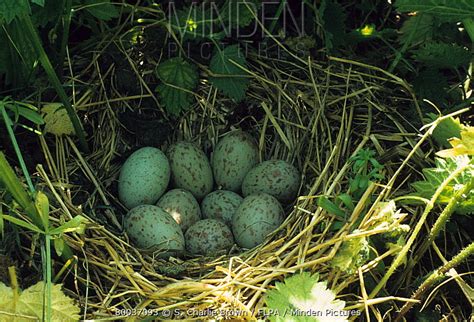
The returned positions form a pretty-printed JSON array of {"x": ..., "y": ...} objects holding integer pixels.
[
  {"x": 346, "y": 200},
  {"x": 227, "y": 66},
  {"x": 446, "y": 129},
  {"x": 179, "y": 79},
  {"x": 333, "y": 17},
  {"x": 49, "y": 12},
  {"x": 442, "y": 55},
  {"x": 22, "y": 223},
  {"x": 28, "y": 112},
  {"x": 331, "y": 207},
  {"x": 76, "y": 224},
  {"x": 2, "y": 223},
  {"x": 303, "y": 293},
  {"x": 30, "y": 303},
  {"x": 10, "y": 9},
  {"x": 58, "y": 245},
  {"x": 431, "y": 84},
  {"x": 102, "y": 9},
  {"x": 42, "y": 207},
  {"x": 239, "y": 13},
  {"x": 57, "y": 120},
  {"x": 352, "y": 254},
  {"x": 454, "y": 10},
  {"x": 39, "y": 2},
  {"x": 13, "y": 185},
  {"x": 433, "y": 177},
  {"x": 460, "y": 146},
  {"x": 417, "y": 29},
  {"x": 196, "y": 22}
]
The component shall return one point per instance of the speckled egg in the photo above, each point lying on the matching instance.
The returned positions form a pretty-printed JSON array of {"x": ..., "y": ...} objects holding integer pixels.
[
  {"x": 221, "y": 204},
  {"x": 275, "y": 177},
  {"x": 257, "y": 216},
  {"x": 190, "y": 169},
  {"x": 208, "y": 236},
  {"x": 150, "y": 226},
  {"x": 182, "y": 206},
  {"x": 144, "y": 177},
  {"x": 235, "y": 154}
]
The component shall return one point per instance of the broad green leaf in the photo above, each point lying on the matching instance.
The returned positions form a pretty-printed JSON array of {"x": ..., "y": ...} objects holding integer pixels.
[
  {"x": 179, "y": 79},
  {"x": 444, "y": 167},
  {"x": 446, "y": 129},
  {"x": 304, "y": 293},
  {"x": 58, "y": 245},
  {"x": 102, "y": 9},
  {"x": 442, "y": 55},
  {"x": 57, "y": 120},
  {"x": 460, "y": 146},
  {"x": 30, "y": 303},
  {"x": 417, "y": 29},
  {"x": 76, "y": 224},
  {"x": 49, "y": 12},
  {"x": 431, "y": 84},
  {"x": 333, "y": 18},
  {"x": 39, "y": 2},
  {"x": 6, "y": 300},
  {"x": 229, "y": 76},
  {"x": 42, "y": 207},
  {"x": 352, "y": 254},
  {"x": 239, "y": 13},
  {"x": 331, "y": 207},
  {"x": 454, "y": 10},
  {"x": 10, "y": 9},
  {"x": 196, "y": 22},
  {"x": 346, "y": 200}
]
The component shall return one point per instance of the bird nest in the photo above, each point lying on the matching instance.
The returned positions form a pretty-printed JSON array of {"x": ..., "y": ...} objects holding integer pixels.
[{"x": 311, "y": 114}]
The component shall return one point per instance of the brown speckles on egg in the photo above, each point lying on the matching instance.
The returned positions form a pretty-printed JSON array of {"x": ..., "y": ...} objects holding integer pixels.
[
  {"x": 190, "y": 169},
  {"x": 221, "y": 204},
  {"x": 234, "y": 155},
  {"x": 144, "y": 177},
  {"x": 182, "y": 206},
  {"x": 208, "y": 236},
  {"x": 258, "y": 215},
  {"x": 150, "y": 226},
  {"x": 275, "y": 177}
]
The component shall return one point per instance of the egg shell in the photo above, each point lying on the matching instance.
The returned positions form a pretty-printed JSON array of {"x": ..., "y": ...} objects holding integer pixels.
[
  {"x": 257, "y": 216},
  {"x": 234, "y": 155},
  {"x": 190, "y": 169},
  {"x": 144, "y": 177},
  {"x": 275, "y": 177},
  {"x": 182, "y": 206},
  {"x": 150, "y": 226},
  {"x": 208, "y": 236},
  {"x": 221, "y": 204}
]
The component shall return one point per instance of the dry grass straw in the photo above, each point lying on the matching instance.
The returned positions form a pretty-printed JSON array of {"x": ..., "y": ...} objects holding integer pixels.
[{"x": 313, "y": 115}]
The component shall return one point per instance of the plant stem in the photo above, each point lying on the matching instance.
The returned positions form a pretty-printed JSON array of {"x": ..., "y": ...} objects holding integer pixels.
[
  {"x": 403, "y": 252},
  {"x": 436, "y": 276},
  {"x": 43, "y": 57},
  {"x": 469, "y": 26},
  {"x": 277, "y": 16},
  {"x": 65, "y": 33},
  {"x": 443, "y": 218},
  {"x": 48, "y": 275},
  {"x": 8, "y": 125}
]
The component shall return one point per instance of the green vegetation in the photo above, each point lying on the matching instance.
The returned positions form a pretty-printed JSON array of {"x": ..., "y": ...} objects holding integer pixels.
[{"x": 370, "y": 100}]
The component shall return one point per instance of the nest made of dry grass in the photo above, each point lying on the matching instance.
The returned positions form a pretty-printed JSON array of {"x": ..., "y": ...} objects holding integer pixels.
[{"x": 314, "y": 115}]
